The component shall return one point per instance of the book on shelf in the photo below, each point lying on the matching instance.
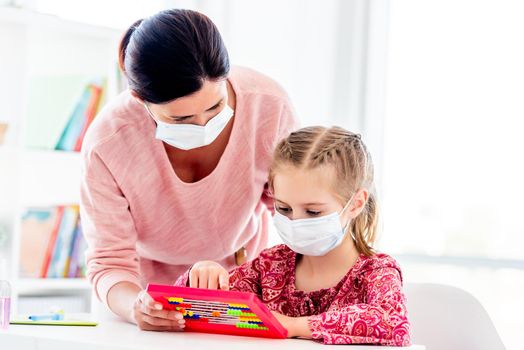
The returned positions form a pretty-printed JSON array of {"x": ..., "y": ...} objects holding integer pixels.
[
  {"x": 90, "y": 113},
  {"x": 80, "y": 119},
  {"x": 52, "y": 244},
  {"x": 63, "y": 243},
  {"x": 49, "y": 247},
  {"x": 60, "y": 110}
]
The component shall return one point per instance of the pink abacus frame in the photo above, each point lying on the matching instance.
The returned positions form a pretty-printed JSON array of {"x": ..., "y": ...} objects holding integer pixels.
[{"x": 218, "y": 311}]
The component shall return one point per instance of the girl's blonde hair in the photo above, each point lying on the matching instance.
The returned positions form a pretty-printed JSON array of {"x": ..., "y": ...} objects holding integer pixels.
[{"x": 317, "y": 146}]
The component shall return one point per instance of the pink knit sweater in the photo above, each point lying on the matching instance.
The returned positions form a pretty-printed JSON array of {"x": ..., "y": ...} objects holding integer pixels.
[{"x": 143, "y": 224}]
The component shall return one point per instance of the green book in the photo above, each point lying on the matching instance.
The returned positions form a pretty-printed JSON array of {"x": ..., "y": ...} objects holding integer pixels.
[{"x": 51, "y": 101}]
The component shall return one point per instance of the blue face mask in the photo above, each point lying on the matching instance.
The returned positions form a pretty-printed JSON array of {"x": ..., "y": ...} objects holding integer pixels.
[
  {"x": 314, "y": 236},
  {"x": 189, "y": 136}
]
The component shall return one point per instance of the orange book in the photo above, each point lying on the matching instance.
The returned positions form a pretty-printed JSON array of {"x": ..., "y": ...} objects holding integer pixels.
[
  {"x": 52, "y": 241},
  {"x": 36, "y": 229},
  {"x": 92, "y": 108}
]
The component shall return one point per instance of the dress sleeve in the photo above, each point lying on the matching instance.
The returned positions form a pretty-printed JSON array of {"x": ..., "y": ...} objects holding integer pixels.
[
  {"x": 108, "y": 227},
  {"x": 246, "y": 277},
  {"x": 381, "y": 320},
  {"x": 183, "y": 280}
]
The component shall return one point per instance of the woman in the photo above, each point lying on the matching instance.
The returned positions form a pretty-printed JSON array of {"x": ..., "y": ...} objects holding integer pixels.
[{"x": 175, "y": 168}]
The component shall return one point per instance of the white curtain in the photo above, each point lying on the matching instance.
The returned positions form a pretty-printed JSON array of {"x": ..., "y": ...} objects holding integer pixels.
[{"x": 329, "y": 55}]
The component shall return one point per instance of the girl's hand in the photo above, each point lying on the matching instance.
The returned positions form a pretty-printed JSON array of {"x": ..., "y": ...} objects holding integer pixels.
[
  {"x": 296, "y": 326},
  {"x": 149, "y": 316},
  {"x": 208, "y": 275}
]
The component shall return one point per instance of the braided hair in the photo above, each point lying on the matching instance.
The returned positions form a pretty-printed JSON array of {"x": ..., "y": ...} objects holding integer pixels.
[{"x": 345, "y": 152}]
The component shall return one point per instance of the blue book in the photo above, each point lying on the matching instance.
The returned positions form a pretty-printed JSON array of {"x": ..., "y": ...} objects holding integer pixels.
[
  {"x": 63, "y": 242},
  {"x": 72, "y": 265},
  {"x": 75, "y": 124}
]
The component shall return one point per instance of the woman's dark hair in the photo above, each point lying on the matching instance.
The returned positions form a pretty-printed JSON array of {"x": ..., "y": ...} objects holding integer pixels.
[{"x": 170, "y": 54}]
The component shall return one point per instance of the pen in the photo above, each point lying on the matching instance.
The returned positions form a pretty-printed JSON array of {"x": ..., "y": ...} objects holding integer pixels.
[{"x": 52, "y": 317}]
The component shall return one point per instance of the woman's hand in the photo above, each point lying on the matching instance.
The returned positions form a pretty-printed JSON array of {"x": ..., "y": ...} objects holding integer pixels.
[
  {"x": 208, "y": 275},
  {"x": 296, "y": 326},
  {"x": 149, "y": 315}
]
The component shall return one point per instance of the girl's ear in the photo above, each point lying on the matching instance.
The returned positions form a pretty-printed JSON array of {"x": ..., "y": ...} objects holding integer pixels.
[{"x": 358, "y": 203}]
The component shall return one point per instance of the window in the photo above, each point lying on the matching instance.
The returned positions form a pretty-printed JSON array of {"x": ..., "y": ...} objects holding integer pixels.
[
  {"x": 107, "y": 13},
  {"x": 452, "y": 181}
]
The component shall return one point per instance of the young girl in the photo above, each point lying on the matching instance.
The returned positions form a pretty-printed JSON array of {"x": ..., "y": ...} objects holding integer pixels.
[{"x": 327, "y": 282}]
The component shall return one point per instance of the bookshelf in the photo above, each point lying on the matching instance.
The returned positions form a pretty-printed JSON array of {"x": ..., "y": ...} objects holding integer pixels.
[
  {"x": 27, "y": 285},
  {"x": 42, "y": 54}
]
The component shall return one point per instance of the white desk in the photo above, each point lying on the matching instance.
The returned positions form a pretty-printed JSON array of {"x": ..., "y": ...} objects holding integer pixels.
[{"x": 115, "y": 334}]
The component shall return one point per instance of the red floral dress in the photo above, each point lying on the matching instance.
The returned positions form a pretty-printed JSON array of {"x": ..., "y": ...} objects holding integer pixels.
[{"x": 366, "y": 307}]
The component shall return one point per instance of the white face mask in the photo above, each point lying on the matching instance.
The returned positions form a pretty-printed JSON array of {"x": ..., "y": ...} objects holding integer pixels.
[
  {"x": 314, "y": 236},
  {"x": 189, "y": 136}
]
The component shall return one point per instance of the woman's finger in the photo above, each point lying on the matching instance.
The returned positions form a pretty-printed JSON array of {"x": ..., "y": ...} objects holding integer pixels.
[
  {"x": 160, "y": 322},
  {"x": 148, "y": 301},
  {"x": 175, "y": 315},
  {"x": 148, "y": 327},
  {"x": 166, "y": 314}
]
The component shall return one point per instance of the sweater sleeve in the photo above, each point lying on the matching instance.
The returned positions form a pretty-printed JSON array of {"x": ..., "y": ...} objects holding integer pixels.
[
  {"x": 381, "y": 320},
  {"x": 108, "y": 228}
]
